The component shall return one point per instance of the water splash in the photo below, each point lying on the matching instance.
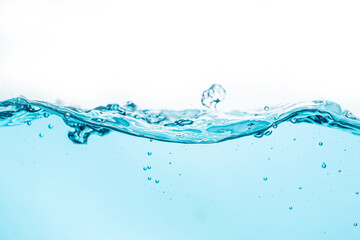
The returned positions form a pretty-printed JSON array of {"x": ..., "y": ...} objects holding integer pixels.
[
  {"x": 211, "y": 97},
  {"x": 187, "y": 126}
]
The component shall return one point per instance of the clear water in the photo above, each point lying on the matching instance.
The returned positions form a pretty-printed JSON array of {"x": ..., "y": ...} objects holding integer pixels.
[{"x": 287, "y": 172}]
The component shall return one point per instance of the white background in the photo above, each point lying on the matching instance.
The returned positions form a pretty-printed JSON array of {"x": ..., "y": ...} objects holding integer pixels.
[{"x": 163, "y": 54}]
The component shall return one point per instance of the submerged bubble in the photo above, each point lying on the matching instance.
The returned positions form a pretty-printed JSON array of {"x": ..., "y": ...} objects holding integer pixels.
[
  {"x": 300, "y": 188},
  {"x": 211, "y": 97},
  {"x": 41, "y": 135},
  {"x": 28, "y": 123},
  {"x": 46, "y": 114},
  {"x": 339, "y": 170},
  {"x": 157, "y": 181},
  {"x": 149, "y": 178},
  {"x": 321, "y": 143},
  {"x": 355, "y": 224},
  {"x": 265, "y": 178},
  {"x": 323, "y": 165},
  {"x": 274, "y": 125},
  {"x": 148, "y": 167},
  {"x": 266, "y": 108},
  {"x": 144, "y": 168},
  {"x": 50, "y": 126},
  {"x": 149, "y": 153},
  {"x": 67, "y": 115},
  {"x": 357, "y": 193},
  {"x": 290, "y": 208}
]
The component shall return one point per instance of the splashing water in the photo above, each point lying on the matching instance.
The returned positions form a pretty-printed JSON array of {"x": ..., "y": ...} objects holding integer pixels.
[{"x": 278, "y": 177}]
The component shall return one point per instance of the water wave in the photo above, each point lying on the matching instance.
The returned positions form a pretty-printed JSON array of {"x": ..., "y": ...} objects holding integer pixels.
[{"x": 188, "y": 126}]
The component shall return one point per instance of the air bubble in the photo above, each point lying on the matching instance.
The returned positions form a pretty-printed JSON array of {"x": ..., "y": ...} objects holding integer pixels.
[
  {"x": 321, "y": 143},
  {"x": 41, "y": 135},
  {"x": 157, "y": 181},
  {"x": 265, "y": 178},
  {"x": 355, "y": 224},
  {"x": 149, "y": 178},
  {"x": 357, "y": 193},
  {"x": 67, "y": 115},
  {"x": 50, "y": 126},
  {"x": 300, "y": 188},
  {"x": 290, "y": 208},
  {"x": 46, "y": 114},
  {"x": 149, "y": 153},
  {"x": 28, "y": 123},
  {"x": 323, "y": 165}
]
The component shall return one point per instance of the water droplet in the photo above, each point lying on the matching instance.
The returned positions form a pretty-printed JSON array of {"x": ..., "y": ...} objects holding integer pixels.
[
  {"x": 320, "y": 143},
  {"x": 67, "y": 115},
  {"x": 157, "y": 181},
  {"x": 46, "y": 114},
  {"x": 211, "y": 97},
  {"x": 149, "y": 153},
  {"x": 28, "y": 123},
  {"x": 323, "y": 165},
  {"x": 355, "y": 224},
  {"x": 265, "y": 178},
  {"x": 290, "y": 208},
  {"x": 50, "y": 126},
  {"x": 149, "y": 178},
  {"x": 266, "y": 108},
  {"x": 41, "y": 135}
]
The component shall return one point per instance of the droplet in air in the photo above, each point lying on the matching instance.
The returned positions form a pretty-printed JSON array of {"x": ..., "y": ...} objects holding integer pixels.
[
  {"x": 266, "y": 108},
  {"x": 323, "y": 165},
  {"x": 50, "y": 126},
  {"x": 321, "y": 143},
  {"x": 149, "y": 153},
  {"x": 157, "y": 181},
  {"x": 265, "y": 178},
  {"x": 211, "y": 97},
  {"x": 28, "y": 123}
]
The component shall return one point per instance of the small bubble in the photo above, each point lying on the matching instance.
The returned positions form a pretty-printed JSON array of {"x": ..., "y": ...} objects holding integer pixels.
[
  {"x": 323, "y": 165},
  {"x": 339, "y": 170},
  {"x": 265, "y": 178},
  {"x": 149, "y": 178},
  {"x": 320, "y": 143},
  {"x": 41, "y": 135},
  {"x": 67, "y": 115},
  {"x": 144, "y": 168},
  {"x": 149, "y": 153},
  {"x": 357, "y": 193},
  {"x": 274, "y": 125},
  {"x": 266, "y": 108},
  {"x": 50, "y": 126},
  {"x": 294, "y": 139},
  {"x": 169, "y": 162},
  {"x": 300, "y": 188},
  {"x": 28, "y": 123},
  {"x": 290, "y": 208},
  {"x": 355, "y": 224},
  {"x": 148, "y": 167},
  {"x": 46, "y": 114},
  {"x": 157, "y": 181},
  {"x": 179, "y": 174},
  {"x": 151, "y": 140}
]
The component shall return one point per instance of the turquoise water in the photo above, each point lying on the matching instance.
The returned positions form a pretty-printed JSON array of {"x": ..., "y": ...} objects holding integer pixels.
[{"x": 120, "y": 172}]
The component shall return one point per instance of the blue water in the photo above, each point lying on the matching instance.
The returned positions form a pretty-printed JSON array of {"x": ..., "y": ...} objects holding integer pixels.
[{"x": 120, "y": 172}]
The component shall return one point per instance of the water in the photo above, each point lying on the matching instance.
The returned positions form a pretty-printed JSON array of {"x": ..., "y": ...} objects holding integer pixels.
[{"x": 94, "y": 174}]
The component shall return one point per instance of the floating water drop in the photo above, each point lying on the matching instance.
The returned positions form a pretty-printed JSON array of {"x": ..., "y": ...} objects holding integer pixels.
[
  {"x": 265, "y": 178},
  {"x": 149, "y": 178},
  {"x": 50, "y": 126},
  {"x": 211, "y": 97},
  {"x": 274, "y": 125},
  {"x": 323, "y": 165},
  {"x": 266, "y": 108},
  {"x": 28, "y": 123},
  {"x": 149, "y": 153},
  {"x": 321, "y": 143},
  {"x": 157, "y": 181}
]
